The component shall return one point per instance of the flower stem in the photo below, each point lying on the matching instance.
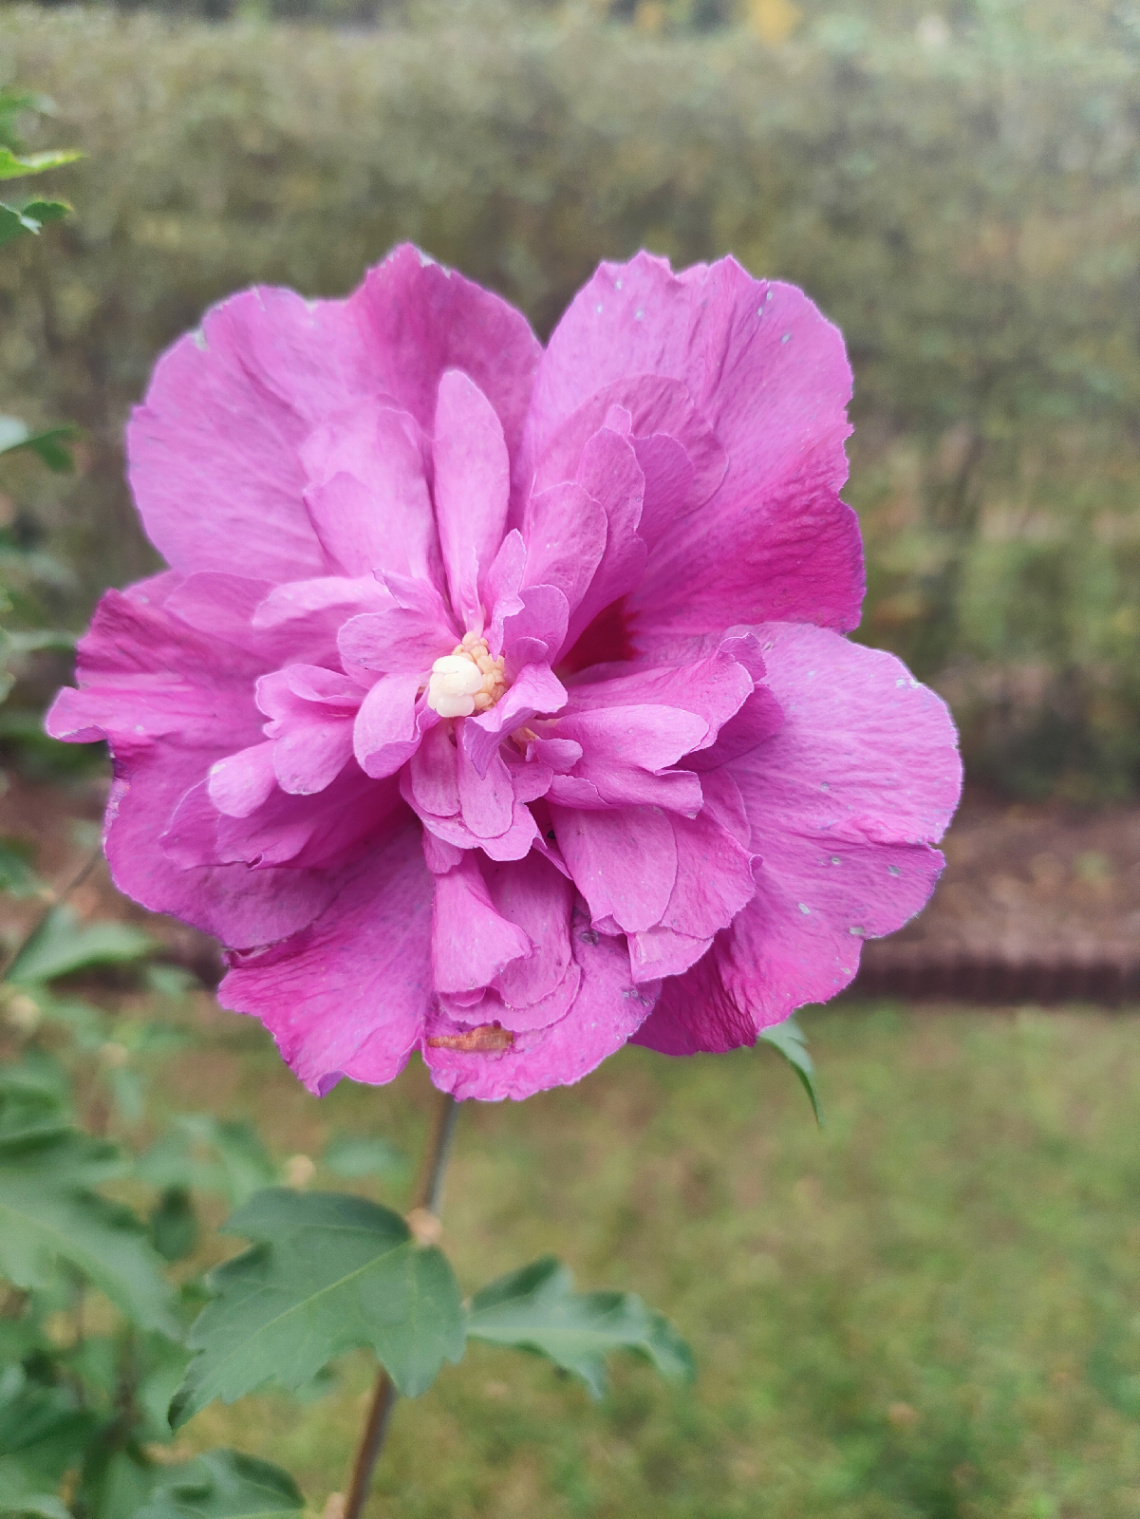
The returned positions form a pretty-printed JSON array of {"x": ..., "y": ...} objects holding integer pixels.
[{"x": 427, "y": 1200}]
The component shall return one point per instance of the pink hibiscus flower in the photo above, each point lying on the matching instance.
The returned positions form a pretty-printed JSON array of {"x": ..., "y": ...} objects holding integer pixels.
[{"x": 496, "y": 703}]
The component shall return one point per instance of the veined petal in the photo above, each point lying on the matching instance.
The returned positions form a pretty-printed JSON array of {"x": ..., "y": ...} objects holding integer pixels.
[
  {"x": 472, "y": 490},
  {"x": 348, "y": 996},
  {"x": 386, "y": 733},
  {"x": 471, "y": 941}
]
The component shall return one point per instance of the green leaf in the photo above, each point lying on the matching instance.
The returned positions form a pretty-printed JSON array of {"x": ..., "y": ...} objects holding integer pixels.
[
  {"x": 42, "y": 1433},
  {"x": 329, "y": 1272},
  {"x": 537, "y": 1309},
  {"x": 356, "y": 1155},
  {"x": 241, "y": 1165},
  {"x": 12, "y": 104},
  {"x": 791, "y": 1042},
  {"x": 63, "y": 946},
  {"x": 15, "y": 165},
  {"x": 17, "y": 878},
  {"x": 224, "y": 1485},
  {"x": 49, "y": 443},
  {"x": 49, "y": 1214},
  {"x": 31, "y": 217},
  {"x": 174, "y": 1224},
  {"x": 23, "y": 1491},
  {"x": 34, "y": 1096}
]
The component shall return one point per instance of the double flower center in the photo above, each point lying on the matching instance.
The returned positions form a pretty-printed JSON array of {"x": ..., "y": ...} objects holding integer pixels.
[{"x": 467, "y": 680}]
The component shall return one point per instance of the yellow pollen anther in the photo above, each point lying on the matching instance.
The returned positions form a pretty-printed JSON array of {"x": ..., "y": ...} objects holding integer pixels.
[{"x": 467, "y": 680}]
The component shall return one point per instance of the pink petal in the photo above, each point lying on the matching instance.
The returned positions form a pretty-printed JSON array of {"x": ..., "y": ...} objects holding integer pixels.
[
  {"x": 844, "y": 803},
  {"x": 772, "y": 379},
  {"x": 532, "y": 894},
  {"x": 713, "y": 688},
  {"x": 241, "y": 782},
  {"x": 311, "y": 755},
  {"x": 714, "y": 883},
  {"x": 221, "y": 605},
  {"x": 486, "y": 802},
  {"x": 624, "y": 863},
  {"x": 471, "y": 941},
  {"x": 472, "y": 490},
  {"x": 627, "y": 752},
  {"x": 242, "y": 907},
  {"x": 310, "y": 613},
  {"x": 537, "y": 689},
  {"x": 144, "y": 675},
  {"x": 214, "y": 449},
  {"x": 386, "y": 734},
  {"x": 432, "y": 773},
  {"x": 501, "y": 586},
  {"x": 669, "y": 475},
  {"x": 536, "y": 633},
  {"x": 606, "y": 1012},
  {"x": 368, "y": 500},
  {"x": 348, "y": 996},
  {"x": 420, "y": 320},
  {"x": 565, "y": 532},
  {"x": 608, "y": 470},
  {"x": 307, "y": 692},
  {"x": 327, "y": 829},
  {"x": 403, "y": 640},
  {"x": 514, "y": 844}
]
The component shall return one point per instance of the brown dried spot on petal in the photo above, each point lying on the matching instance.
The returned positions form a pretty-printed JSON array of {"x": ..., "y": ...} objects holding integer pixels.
[{"x": 483, "y": 1040}]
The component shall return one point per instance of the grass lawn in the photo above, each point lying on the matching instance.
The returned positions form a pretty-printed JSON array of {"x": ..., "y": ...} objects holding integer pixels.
[{"x": 929, "y": 1310}]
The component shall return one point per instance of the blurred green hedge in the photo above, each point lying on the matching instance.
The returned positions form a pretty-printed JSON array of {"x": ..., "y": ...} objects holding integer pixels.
[{"x": 965, "y": 206}]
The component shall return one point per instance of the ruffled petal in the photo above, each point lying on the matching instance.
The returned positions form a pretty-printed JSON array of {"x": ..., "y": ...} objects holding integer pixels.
[
  {"x": 386, "y": 732},
  {"x": 144, "y": 675},
  {"x": 214, "y": 450},
  {"x": 239, "y": 906},
  {"x": 606, "y": 1011},
  {"x": 624, "y": 863},
  {"x": 349, "y": 995},
  {"x": 627, "y": 755},
  {"x": 368, "y": 499},
  {"x": 844, "y": 804},
  {"x": 420, "y": 319},
  {"x": 537, "y": 689},
  {"x": 713, "y": 884},
  {"x": 770, "y": 377},
  {"x": 240, "y": 783},
  {"x": 471, "y": 940}
]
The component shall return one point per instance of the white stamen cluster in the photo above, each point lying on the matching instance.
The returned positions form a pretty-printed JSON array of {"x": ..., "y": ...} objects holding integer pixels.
[{"x": 467, "y": 680}]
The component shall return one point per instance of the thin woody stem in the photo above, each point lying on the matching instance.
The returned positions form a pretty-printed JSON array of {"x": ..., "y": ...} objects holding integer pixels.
[{"x": 427, "y": 1200}]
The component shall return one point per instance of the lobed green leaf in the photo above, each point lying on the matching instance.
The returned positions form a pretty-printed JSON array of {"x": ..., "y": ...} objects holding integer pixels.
[
  {"x": 537, "y": 1309},
  {"x": 328, "y": 1273}
]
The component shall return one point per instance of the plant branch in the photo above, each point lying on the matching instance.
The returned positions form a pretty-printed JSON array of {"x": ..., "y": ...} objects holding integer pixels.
[{"x": 427, "y": 1201}]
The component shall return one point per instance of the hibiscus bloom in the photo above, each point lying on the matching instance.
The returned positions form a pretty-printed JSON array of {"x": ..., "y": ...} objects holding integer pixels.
[{"x": 496, "y": 702}]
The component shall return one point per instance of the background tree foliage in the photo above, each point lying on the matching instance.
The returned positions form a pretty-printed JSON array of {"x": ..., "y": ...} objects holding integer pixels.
[{"x": 957, "y": 190}]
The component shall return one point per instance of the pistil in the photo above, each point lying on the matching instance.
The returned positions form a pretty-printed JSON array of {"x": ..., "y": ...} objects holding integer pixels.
[{"x": 467, "y": 680}]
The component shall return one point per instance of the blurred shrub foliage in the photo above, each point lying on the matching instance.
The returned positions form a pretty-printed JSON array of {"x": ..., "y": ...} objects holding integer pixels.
[{"x": 959, "y": 192}]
